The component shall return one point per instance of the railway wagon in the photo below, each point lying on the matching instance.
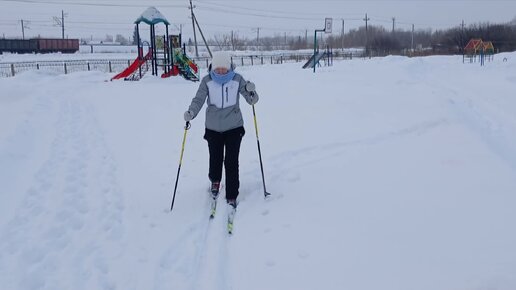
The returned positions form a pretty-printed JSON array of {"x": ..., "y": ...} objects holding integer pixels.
[
  {"x": 39, "y": 45},
  {"x": 18, "y": 46},
  {"x": 46, "y": 45}
]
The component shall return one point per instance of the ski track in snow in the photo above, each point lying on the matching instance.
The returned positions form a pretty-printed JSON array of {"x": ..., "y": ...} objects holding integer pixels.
[
  {"x": 211, "y": 259},
  {"x": 74, "y": 191},
  {"x": 328, "y": 151},
  {"x": 491, "y": 124},
  {"x": 13, "y": 157},
  {"x": 204, "y": 264},
  {"x": 180, "y": 263},
  {"x": 15, "y": 154}
]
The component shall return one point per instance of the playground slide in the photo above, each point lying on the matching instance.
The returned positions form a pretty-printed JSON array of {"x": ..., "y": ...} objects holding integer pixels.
[
  {"x": 318, "y": 56},
  {"x": 133, "y": 67},
  {"x": 184, "y": 66},
  {"x": 188, "y": 62}
]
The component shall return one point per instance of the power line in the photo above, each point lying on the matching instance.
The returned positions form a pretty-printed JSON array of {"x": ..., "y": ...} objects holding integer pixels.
[
  {"x": 229, "y": 10},
  {"x": 256, "y": 14},
  {"x": 253, "y": 27},
  {"x": 51, "y": 23},
  {"x": 88, "y": 4},
  {"x": 216, "y": 4}
]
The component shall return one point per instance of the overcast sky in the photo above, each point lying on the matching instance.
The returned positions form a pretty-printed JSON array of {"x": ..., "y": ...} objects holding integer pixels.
[{"x": 96, "y": 18}]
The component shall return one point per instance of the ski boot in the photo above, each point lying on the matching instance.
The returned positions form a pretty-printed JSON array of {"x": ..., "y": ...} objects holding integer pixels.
[
  {"x": 232, "y": 206},
  {"x": 215, "y": 186}
]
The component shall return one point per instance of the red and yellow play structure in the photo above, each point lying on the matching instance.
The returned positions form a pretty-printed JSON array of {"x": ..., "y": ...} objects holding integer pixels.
[{"x": 168, "y": 57}]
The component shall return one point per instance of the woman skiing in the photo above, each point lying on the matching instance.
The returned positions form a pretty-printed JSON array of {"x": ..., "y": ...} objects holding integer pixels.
[{"x": 220, "y": 89}]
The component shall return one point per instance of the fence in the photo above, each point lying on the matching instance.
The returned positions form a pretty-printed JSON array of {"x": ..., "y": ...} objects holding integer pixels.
[
  {"x": 117, "y": 65},
  {"x": 64, "y": 67},
  {"x": 250, "y": 60}
]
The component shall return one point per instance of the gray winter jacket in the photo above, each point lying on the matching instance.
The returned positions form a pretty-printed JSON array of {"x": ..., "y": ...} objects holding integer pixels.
[{"x": 223, "y": 112}]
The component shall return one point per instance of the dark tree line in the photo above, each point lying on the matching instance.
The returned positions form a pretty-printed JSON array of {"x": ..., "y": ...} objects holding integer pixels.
[
  {"x": 382, "y": 41},
  {"x": 449, "y": 41},
  {"x": 378, "y": 40}
]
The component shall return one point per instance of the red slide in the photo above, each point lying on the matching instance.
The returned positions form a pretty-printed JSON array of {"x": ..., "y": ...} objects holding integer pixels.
[{"x": 133, "y": 67}]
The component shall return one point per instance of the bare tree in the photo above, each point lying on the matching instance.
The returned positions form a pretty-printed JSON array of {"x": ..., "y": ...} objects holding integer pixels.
[
  {"x": 381, "y": 40},
  {"x": 109, "y": 38},
  {"x": 121, "y": 39},
  {"x": 223, "y": 41}
]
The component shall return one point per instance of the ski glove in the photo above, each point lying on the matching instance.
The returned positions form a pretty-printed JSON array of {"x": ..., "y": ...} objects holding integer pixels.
[
  {"x": 253, "y": 98},
  {"x": 250, "y": 87},
  {"x": 189, "y": 115}
]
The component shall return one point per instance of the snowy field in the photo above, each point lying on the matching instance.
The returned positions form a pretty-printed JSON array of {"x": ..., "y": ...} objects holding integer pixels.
[{"x": 386, "y": 174}]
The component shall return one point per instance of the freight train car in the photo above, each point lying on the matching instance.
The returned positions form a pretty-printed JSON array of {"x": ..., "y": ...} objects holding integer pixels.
[
  {"x": 18, "y": 46},
  {"x": 39, "y": 45}
]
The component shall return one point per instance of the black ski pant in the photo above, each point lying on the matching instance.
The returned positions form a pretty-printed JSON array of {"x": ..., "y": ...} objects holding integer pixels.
[{"x": 224, "y": 148}]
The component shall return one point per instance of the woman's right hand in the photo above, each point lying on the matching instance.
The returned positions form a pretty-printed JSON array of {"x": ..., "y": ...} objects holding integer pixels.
[{"x": 189, "y": 115}]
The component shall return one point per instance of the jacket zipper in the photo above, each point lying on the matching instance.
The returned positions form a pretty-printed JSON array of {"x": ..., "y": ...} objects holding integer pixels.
[{"x": 222, "y": 96}]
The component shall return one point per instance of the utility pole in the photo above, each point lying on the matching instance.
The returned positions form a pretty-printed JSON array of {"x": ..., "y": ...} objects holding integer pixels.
[
  {"x": 366, "y": 36},
  {"x": 62, "y": 21},
  {"x": 193, "y": 26},
  {"x": 59, "y": 21},
  {"x": 22, "y": 29},
  {"x": 412, "y": 38},
  {"x": 257, "y": 34},
  {"x": 342, "y": 36},
  {"x": 202, "y": 35},
  {"x": 393, "y": 20},
  {"x": 232, "y": 41},
  {"x": 462, "y": 36}
]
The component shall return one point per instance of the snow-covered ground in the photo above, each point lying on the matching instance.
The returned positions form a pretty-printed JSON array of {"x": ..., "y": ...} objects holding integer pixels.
[{"x": 386, "y": 174}]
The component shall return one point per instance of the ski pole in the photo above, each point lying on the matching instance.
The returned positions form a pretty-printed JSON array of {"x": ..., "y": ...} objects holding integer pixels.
[
  {"x": 265, "y": 193},
  {"x": 187, "y": 126}
]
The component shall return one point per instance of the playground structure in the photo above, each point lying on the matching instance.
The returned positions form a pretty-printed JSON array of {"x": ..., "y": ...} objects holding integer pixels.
[
  {"x": 315, "y": 59},
  {"x": 317, "y": 55},
  {"x": 165, "y": 54},
  {"x": 180, "y": 63},
  {"x": 476, "y": 48}
]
